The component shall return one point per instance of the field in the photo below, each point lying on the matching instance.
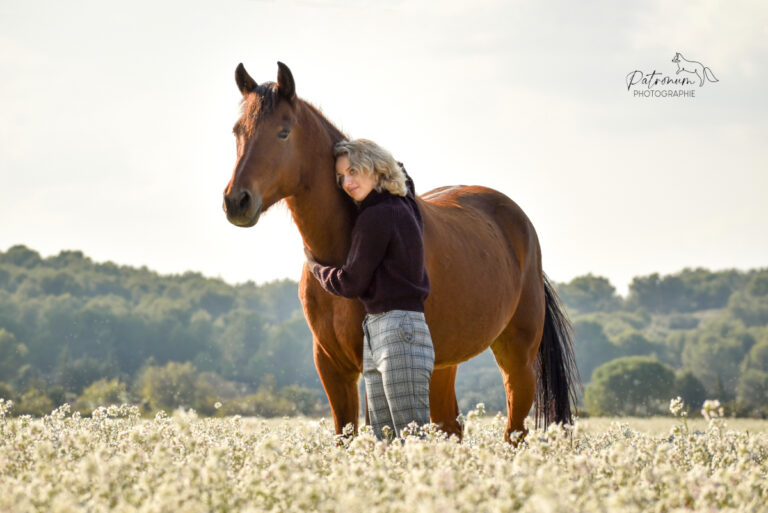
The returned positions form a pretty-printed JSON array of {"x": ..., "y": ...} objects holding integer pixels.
[{"x": 117, "y": 461}]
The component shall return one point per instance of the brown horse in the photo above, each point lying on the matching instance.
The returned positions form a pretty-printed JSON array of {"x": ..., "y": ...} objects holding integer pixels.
[{"x": 482, "y": 255}]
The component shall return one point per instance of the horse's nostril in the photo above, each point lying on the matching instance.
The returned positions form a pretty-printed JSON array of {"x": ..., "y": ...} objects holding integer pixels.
[{"x": 245, "y": 201}]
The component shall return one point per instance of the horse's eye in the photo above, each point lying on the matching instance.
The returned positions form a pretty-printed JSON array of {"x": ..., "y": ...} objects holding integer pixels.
[{"x": 284, "y": 133}]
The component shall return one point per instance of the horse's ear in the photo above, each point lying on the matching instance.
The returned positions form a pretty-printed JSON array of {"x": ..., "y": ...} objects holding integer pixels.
[
  {"x": 285, "y": 84},
  {"x": 244, "y": 81}
]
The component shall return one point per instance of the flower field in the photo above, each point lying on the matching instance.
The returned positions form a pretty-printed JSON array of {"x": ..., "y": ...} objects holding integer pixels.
[{"x": 117, "y": 461}]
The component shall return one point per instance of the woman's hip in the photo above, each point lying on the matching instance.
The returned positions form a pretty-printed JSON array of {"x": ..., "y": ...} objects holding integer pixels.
[{"x": 397, "y": 332}]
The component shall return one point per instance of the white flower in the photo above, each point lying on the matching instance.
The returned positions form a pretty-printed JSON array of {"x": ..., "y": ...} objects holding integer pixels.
[
  {"x": 711, "y": 409},
  {"x": 676, "y": 406}
]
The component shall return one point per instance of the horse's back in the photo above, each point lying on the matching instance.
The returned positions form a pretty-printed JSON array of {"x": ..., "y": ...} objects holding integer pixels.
[
  {"x": 479, "y": 247},
  {"x": 476, "y": 207}
]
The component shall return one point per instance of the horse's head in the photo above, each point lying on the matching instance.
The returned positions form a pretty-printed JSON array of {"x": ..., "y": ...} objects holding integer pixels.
[{"x": 269, "y": 147}]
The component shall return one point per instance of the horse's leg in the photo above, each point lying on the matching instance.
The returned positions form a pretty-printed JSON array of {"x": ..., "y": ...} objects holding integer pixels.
[
  {"x": 340, "y": 387},
  {"x": 515, "y": 352},
  {"x": 443, "y": 407}
]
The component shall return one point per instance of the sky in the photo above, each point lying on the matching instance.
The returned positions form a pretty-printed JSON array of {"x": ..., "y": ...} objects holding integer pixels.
[{"x": 116, "y": 118}]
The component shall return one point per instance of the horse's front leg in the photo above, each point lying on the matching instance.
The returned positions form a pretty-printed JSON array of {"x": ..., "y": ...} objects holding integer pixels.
[{"x": 341, "y": 388}]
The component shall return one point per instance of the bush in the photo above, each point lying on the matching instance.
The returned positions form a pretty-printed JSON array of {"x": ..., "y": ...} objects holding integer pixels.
[
  {"x": 261, "y": 404},
  {"x": 268, "y": 402},
  {"x": 6, "y": 392},
  {"x": 102, "y": 393},
  {"x": 635, "y": 385},
  {"x": 34, "y": 402},
  {"x": 176, "y": 385}
]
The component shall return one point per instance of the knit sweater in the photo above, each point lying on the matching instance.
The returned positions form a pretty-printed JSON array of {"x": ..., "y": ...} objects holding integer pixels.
[{"x": 385, "y": 264}]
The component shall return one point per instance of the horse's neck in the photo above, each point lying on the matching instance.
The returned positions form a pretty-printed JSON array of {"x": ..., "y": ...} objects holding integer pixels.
[
  {"x": 324, "y": 223},
  {"x": 319, "y": 209}
]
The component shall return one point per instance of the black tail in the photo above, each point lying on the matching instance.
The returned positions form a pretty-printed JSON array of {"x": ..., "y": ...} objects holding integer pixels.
[{"x": 557, "y": 377}]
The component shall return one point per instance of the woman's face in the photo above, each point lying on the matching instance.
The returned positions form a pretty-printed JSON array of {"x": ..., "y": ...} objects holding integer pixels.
[{"x": 354, "y": 182}]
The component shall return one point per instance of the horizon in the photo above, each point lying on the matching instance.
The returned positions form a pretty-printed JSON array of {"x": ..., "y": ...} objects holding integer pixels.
[{"x": 260, "y": 283}]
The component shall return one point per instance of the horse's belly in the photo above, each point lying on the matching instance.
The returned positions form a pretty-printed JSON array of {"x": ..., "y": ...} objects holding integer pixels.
[{"x": 475, "y": 286}]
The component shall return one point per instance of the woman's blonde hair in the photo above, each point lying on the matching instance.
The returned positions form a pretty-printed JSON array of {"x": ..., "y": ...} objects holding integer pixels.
[{"x": 368, "y": 157}]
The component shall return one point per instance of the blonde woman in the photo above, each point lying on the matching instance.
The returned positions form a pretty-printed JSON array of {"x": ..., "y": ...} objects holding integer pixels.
[{"x": 385, "y": 270}]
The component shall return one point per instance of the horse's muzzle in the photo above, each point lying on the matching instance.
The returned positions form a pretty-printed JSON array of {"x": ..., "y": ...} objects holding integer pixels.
[{"x": 242, "y": 207}]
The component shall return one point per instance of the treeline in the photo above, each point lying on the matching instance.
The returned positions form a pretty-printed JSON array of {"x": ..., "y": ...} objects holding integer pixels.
[
  {"x": 87, "y": 333},
  {"x": 697, "y": 334}
]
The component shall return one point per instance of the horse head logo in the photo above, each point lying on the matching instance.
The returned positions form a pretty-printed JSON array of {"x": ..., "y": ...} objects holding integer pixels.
[{"x": 697, "y": 68}]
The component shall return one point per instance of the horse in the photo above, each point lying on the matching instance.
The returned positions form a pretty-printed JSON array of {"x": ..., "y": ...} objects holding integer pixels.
[{"x": 481, "y": 253}]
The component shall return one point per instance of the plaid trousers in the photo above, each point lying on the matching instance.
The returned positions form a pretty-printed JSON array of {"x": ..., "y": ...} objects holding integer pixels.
[{"x": 398, "y": 358}]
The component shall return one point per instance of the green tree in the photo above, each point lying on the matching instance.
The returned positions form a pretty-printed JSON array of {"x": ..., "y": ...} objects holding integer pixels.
[
  {"x": 34, "y": 402},
  {"x": 267, "y": 401},
  {"x": 21, "y": 256},
  {"x": 589, "y": 293},
  {"x": 714, "y": 353},
  {"x": 280, "y": 299},
  {"x": 239, "y": 334},
  {"x": 12, "y": 355},
  {"x": 634, "y": 343},
  {"x": 634, "y": 385},
  {"x": 686, "y": 291},
  {"x": 176, "y": 385},
  {"x": 6, "y": 392},
  {"x": 757, "y": 358},
  {"x": 75, "y": 375},
  {"x": 592, "y": 346},
  {"x": 752, "y": 391},
  {"x": 102, "y": 393},
  {"x": 305, "y": 400},
  {"x": 690, "y": 389},
  {"x": 751, "y": 304},
  {"x": 56, "y": 283},
  {"x": 290, "y": 341}
]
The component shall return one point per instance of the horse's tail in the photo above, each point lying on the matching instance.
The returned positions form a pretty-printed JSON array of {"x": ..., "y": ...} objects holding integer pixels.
[
  {"x": 557, "y": 377},
  {"x": 711, "y": 76}
]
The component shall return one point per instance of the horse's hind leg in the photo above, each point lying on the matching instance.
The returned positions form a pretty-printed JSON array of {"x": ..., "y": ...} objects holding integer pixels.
[
  {"x": 443, "y": 407},
  {"x": 515, "y": 351}
]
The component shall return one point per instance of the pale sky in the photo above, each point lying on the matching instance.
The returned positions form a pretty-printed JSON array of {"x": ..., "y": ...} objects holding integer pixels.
[{"x": 115, "y": 124}]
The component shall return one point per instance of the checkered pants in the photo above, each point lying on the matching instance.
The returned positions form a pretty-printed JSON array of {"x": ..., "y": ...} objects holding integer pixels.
[{"x": 398, "y": 359}]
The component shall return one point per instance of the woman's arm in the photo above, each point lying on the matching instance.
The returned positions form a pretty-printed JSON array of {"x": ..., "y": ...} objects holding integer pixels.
[{"x": 370, "y": 238}]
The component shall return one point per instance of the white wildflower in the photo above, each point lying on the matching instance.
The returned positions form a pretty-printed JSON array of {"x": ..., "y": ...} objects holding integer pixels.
[{"x": 677, "y": 406}]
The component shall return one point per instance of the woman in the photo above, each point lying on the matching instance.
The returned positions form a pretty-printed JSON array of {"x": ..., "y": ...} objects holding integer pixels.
[{"x": 385, "y": 270}]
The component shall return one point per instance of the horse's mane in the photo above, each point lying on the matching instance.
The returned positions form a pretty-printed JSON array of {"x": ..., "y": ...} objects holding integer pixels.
[
  {"x": 336, "y": 134},
  {"x": 268, "y": 98}
]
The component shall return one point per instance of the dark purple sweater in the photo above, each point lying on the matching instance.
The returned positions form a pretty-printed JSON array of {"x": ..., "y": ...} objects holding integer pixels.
[{"x": 385, "y": 264}]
